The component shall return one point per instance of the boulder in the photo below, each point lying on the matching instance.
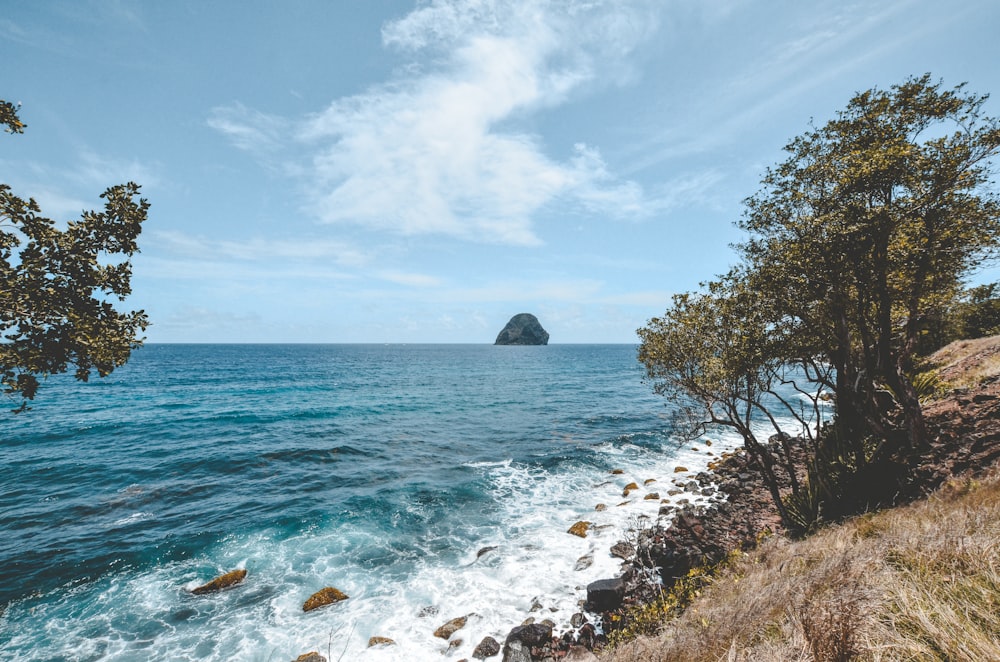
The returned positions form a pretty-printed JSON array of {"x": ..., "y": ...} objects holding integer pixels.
[
  {"x": 623, "y": 550},
  {"x": 517, "y": 647},
  {"x": 312, "y": 656},
  {"x": 380, "y": 641},
  {"x": 584, "y": 562},
  {"x": 523, "y": 329},
  {"x": 652, "y": 496},
  {"x": 629, "y": 488},
  {"x": 221, "y": 582},
  {"x": 605, "y": 594},
  {"x": 488, "y": 647},
  {"x": 323, "y": 597},
  {"x": 580, "y": 529},
  {"x": 451, "y": 627}
]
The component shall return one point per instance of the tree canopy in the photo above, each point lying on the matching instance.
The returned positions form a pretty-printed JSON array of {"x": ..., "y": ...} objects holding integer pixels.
[
  {"x": 856, "y": 243},
  {"x": 57, "y": 286}
]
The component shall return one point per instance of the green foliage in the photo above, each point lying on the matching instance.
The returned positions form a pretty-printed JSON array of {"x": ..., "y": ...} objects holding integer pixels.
[
  {"x": 9, "y": 118},
  {"x": 856, "y": 244},
  {"x": 57, "y": 287},
  {"x": 648, "y": 619}
]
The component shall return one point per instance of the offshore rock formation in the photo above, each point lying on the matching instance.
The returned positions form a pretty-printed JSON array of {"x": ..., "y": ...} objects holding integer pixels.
[
  {"x": 523, "y": 329},
  {"x": 222, "y": 582}
]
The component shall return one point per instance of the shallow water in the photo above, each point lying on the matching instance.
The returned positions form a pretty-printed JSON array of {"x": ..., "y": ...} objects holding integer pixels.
[{"x": 382, "y": 470}]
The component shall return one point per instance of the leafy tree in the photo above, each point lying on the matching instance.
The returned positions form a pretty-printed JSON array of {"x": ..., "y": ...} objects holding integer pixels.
[
  {"x": 57, "y": 286},
  {"x": 856, "y": 244}
]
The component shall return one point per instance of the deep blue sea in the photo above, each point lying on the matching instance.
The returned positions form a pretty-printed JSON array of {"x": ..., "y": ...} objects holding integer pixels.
[{"x": 382, "y": 470}]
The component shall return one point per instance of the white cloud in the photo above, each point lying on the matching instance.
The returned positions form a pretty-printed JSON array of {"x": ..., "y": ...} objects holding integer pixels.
[{"x": 437, "y": 151}]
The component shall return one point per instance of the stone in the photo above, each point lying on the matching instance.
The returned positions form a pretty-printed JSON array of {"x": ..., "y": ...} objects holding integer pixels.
[
  {"x": 451, "y": 627},
  {"x": 380, "y": 641},
  {"x": 429, "y": 610},
  {"x": 629, "y": 488},
  {"x": 221, "y": 582},
  {"x": 577, "y": 619},
  {"x": 312, "y": 656},
  {"x": 323, "y": 597},
  {"x": 488, "y": 647},
  {"x": 649, "y": 481},
  {"x": 523, "y": 329},
  {"x": 580, "y": 529},
  {"x": 584, "y": 562},
  {"x": 517, "y": 647},
  {"x": 617, "y": 472},
  {"x": 485, "y": 550},
  {"x": 623, "y": 550},
  {"x": 605, "y": 594},
  {"x": 600, "y": 507},
  {"x": 652, "y": 496},
  {"x": 678, "y": 470}
]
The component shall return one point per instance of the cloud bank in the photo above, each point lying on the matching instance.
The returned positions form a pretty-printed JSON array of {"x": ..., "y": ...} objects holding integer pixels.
[{"x": 437, "y": 150}]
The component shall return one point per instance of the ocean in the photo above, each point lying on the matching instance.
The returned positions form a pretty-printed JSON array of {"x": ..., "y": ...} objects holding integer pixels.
[{"x": 426, "y": 482}]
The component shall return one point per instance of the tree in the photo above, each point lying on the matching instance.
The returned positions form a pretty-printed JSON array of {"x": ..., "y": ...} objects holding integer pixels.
[
  {"x": 57, "y": 286},
  {"x": 869, "y": 229},
  {"x": 857, "y": 243}
]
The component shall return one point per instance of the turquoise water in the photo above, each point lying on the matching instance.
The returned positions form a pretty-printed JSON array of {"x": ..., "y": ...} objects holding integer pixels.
[{"x": 380, "y": 469}]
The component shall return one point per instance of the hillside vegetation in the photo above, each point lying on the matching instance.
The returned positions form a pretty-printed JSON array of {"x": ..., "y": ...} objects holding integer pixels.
[{"x": 915, "y": 582}]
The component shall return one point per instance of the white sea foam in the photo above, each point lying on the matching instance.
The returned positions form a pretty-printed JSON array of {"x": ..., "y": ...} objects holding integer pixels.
[{"x": 530, "y": 573}]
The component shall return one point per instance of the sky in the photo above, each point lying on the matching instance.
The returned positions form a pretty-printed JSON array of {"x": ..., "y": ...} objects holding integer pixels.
[{"x": 384, "y": 171}]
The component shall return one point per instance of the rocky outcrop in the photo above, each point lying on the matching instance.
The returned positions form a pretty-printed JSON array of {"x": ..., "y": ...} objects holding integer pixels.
[
  {"x": 380, "y": 641},
  {"x": 605, "y": 594},
  {"x": 451, "y": 627},
  {"x": 523, "y": 329},
  {"x": 488, "y": 647},
  {"x": 323, "y": 597},
  {"x": 525, "y": 643},
  {"x": 221, "y": 582}
]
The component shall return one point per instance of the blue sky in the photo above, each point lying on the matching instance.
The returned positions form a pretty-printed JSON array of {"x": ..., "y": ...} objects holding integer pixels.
[{"x": 399, "y": 171}]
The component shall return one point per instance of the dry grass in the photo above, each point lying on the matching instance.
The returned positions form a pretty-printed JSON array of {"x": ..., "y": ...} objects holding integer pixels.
[
  {"x": 967, "y": 363},
  {"x": 920, "y": 582}
]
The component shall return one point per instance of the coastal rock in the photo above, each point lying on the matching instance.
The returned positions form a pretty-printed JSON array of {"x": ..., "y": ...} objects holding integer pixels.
[
  {"x": 522, "y": 639},
  {"x": 323, "y": 597},
  {"x": 580, "y": 529},
  {"x": 584, "y": 562},
  {"x": 623, "y": 550},
  {"x": 678, "y": 470},
  {"x": 600, "y": 507},
  {"x": 523, "y": 329},
  {"x": 488, "y": 647},
  {"x": 311, "y": 656},
  {"x": 451, "y": 627},
  {"x": 652, "y": 496},
  {"x": 380, "y": 641},
  {"x": 221, "y": 582},
  {"x": 605, "y": 594},
  {"x": 629, "y": 488}
]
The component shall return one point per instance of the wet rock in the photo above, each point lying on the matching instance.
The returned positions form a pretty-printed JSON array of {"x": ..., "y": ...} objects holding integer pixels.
[
  {"x": 674, "y": 492},
  {"x": 600, "y": 507},
  {"x": 451, "y": 627},
  {"x": 629, "y": 488},
  {"x": 708, "y": 442},
  {"x": 649, "y": 481},
  {"x": 519, "y": 643},
  {"x": 617, "y": 472},
  {"x": 580, "y": 529},
  {"x": 678, "y": 470},
  {"x": 485, "y": 550},
  {"x": 323, "y": 597},
  {"x": 584, "y": 562},
  {"x": 380, "y": 641},
  {"x": 622, "y": 550},
  {"x": 577, "y": 619},
  {"x": 488, "y": 647},
  {"x": 429, "y": 610},
  {"x": 221, "y": 582},
  {"x": 455, "y": 643},
  {"x": 536, "y": 605},
  {"x": 652, "y": 496},
  {"x": 312, "y": 656},
  {"x": 605, "y": 594}
]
